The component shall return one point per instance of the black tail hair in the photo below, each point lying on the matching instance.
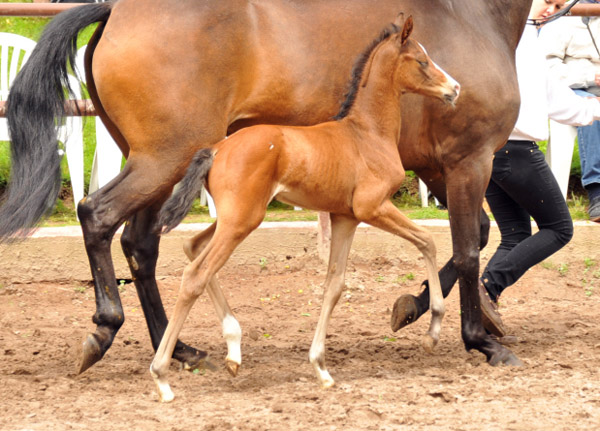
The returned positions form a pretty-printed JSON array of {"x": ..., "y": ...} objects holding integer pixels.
[
  {"x": 35, "y": 100},
  {"x": 179, "y": 204}
]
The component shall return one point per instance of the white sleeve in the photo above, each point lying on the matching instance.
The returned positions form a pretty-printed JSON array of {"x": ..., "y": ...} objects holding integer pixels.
[
  {"x": 566, "y": 107},
  {"x": 555, "y": 39}
]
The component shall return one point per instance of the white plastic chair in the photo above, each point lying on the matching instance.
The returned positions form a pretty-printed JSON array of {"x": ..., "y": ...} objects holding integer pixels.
[
  {"x": 71, "y": 135},
  {"x": 108, "y": 156},
  {"x": 560, "y": 153},
  {"x": 14, "y": 52}
]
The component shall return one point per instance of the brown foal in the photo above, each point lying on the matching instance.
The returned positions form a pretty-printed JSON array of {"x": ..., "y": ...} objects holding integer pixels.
[{"x": 348, "y": 167}]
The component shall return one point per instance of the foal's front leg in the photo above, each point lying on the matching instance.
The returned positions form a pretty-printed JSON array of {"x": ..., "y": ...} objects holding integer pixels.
[
  {"x": 390, "y": 219},
  {"x": 342, "y": 233}
]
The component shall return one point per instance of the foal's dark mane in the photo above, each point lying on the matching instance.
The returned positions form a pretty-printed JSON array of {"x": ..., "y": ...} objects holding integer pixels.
[{"x": 359, "y": 68}]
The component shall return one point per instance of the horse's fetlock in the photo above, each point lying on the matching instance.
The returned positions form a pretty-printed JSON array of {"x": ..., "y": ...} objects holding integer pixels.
[{"x": 111, "y": 322}]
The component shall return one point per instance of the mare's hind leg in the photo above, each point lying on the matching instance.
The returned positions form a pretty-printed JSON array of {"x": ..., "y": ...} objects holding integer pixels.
[
  {"x": 390, "y": 219},
  {"x": 140, "y": 243},
  {"x": 100, "y": 215},
  {"x": 232, "y": 332},
  {"x": 342, "y": 233}
]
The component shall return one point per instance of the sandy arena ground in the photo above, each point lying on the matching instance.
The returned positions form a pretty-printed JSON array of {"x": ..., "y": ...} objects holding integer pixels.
[{"x": 385, "y": 380}]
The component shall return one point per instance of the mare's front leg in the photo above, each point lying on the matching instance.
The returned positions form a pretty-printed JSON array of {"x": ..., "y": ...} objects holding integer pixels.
[
  {"x": 388, "y": 218},
  {"x": 342, "y": 233},
  {"x": 232, "y": 332},
  {"x": 465, "y": 196},
  {"x": 140, "y": 242}
]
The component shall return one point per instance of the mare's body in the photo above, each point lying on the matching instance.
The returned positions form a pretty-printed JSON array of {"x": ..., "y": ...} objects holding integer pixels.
[{"x": 172, "y": 77}]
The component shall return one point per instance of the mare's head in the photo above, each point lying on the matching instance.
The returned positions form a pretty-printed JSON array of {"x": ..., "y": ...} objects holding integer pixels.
[{"x": 416, "y": 72}]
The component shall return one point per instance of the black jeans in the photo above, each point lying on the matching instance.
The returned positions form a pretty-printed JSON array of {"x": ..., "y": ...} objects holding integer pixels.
[{"x": 523, "y": 185}]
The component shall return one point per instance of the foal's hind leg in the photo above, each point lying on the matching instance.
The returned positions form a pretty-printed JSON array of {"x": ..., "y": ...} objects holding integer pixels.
[
  {"x": 196, "y": 276},
  {"x": 140, "y": 243},
  {"x": 390, "y": 219},
  {"x": 342, "y": 233},
  {"x": 232, "y": 332}
]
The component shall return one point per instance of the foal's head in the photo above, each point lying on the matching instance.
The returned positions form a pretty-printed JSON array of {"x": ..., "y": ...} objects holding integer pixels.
[{"x": 415, "y": 71}]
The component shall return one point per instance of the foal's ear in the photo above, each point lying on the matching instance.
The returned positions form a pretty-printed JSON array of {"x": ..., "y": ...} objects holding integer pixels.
[{"x": 407, "y": 29}]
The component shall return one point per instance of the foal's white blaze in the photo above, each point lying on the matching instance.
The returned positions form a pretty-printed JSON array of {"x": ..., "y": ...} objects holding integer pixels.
[
  {"x": 232, "y": 333},
  {"x": 452, "y": 83}
]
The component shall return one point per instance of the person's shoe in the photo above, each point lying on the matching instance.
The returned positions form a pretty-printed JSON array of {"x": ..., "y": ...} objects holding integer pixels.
[
  {"x": 594, "y": 210},
  {"x": 507, "y": 340},
  {"x": 489, "y": 313}
]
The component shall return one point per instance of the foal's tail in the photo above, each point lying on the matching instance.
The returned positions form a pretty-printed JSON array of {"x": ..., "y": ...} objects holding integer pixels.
[
  {"x": 35, "y": 102},
  {"x": 178, "y": 205}
]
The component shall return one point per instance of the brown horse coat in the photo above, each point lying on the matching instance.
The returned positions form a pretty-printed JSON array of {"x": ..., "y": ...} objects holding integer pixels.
[{"x": 171, "y": 76}]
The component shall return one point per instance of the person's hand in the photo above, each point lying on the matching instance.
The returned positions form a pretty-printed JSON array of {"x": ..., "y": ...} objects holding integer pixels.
[{"x": 597, "y": 79}]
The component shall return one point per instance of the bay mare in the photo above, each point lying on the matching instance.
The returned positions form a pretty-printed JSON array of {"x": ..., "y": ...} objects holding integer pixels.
[
  {"x": 348, "y": 167},
  {"x": 172, "y": 77}
]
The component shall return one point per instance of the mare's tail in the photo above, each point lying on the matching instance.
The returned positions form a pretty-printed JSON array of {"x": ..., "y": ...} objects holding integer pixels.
[
  {"x": 178, "y": 205},
  {"x": 36, "y": 99}
]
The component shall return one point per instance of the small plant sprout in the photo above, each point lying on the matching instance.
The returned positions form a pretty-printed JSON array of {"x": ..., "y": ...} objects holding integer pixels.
[
  {"x": 263, "y": 262},
  {"x": 403, "y": 279},
  {"x": 79, "y": 289},
  {"x": 380, "y": 279},
  {"x": 547, "y": 264},
  {"x": 563, "y": 269}
]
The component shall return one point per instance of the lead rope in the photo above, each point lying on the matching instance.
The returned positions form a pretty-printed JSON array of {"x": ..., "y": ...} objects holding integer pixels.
[{"x": 587, "y": 25}]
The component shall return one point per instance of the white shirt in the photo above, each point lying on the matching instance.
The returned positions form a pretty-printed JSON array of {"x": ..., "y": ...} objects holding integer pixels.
[
  {"x": 543, "y": 96},
  {"x": 570, "y": 50}
]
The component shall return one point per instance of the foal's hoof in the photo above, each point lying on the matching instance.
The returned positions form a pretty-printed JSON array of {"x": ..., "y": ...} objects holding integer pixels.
[
  {"x": 232, "y": 367},
  {"x": 91, "y": 353},
  {"x": 405, "y": 312},
  {"x": 505, "y": 357},
  {"x": 428, "y": 343}
]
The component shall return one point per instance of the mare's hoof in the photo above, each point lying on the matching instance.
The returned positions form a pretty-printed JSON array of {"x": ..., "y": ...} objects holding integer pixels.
[
  {"x": 505, "y": 357},
  {"x": 405, "y": 312},
  {"x": 91, "y": 353}
]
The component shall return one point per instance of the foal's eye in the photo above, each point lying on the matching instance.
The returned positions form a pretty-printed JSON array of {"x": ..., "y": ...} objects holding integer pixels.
[{"x": 422, "y": 63}]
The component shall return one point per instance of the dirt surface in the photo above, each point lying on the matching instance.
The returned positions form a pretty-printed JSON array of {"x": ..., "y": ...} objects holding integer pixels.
[{"x": 385, "y": 381}]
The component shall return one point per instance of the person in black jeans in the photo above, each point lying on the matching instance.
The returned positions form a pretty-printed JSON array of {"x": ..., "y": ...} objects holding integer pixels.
[{"x": 522, "y": 186}]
